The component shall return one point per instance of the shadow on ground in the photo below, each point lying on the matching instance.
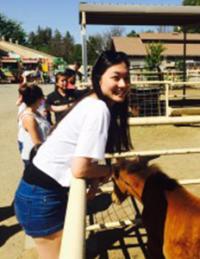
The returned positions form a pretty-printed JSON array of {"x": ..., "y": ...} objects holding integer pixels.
[
  {"x": 99, "y": 244},
  {"x": 99, "y": 203},
  {"x": 6, "y": 212},
  {"x": 7, "y": 231}
]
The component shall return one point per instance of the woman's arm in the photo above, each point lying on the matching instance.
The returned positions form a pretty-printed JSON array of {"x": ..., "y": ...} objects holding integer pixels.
[
  {"x": 30, "y": 124},
  {"x": 59, "y": 108},
  {"x": 84, "y": 168}
]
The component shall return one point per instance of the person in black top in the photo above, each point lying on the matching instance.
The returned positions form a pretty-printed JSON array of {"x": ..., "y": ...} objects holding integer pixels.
[
  {"x": 71, "y": 85},
  {"x": 59, "y": 101}
]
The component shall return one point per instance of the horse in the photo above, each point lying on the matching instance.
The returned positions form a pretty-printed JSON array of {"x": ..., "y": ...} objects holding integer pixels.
[{"x": 171, "y": 214}]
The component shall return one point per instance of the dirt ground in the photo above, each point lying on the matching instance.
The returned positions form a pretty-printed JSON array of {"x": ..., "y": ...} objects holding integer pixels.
[{"x": 12, "y": 238}]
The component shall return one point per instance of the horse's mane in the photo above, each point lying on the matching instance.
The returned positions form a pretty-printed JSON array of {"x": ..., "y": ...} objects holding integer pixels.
[
  {"x": 164, "y": 181},
  {"x": 152, "y": 172}
]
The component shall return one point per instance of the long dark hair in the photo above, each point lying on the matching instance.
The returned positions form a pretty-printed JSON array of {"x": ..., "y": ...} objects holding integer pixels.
[{"x": 118, "y": 134}]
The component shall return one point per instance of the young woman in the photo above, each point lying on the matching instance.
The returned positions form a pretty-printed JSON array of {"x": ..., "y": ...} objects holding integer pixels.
[
  {"x": 94, "y": 125},
  {"x": 33, "y": 127}
]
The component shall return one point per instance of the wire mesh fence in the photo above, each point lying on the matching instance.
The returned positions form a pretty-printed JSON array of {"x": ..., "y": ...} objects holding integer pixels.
[
  {"x": 156, "y": 98},
  {"x": 146, "y": 101}
]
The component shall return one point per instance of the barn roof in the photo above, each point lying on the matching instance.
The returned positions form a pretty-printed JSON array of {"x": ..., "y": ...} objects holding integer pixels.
[
  {"x": 23, "y": 52},
  {"x": 136, "y": 46},
  {"x": 132, "y": 46},
  {"x": 169, "y": 36}
]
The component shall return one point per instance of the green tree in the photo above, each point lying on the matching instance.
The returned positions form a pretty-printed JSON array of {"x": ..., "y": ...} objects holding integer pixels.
[
  {"x": 114, "y": 31},
  {"x": 40, "y": 39},
  {"x": 53, "y": 43},
  {"x": 154, "y": 55},
  {"x": 194, "y": 28},
  {"x": 68, "y": 43},
  {"x": 179, "y": 64},
  {"x": 11, "y": 29},
  {"x": 99, "y": 42},
  {"x": 132, "y": 34},
  {"x": 77, "y": 53},
  {"x": 95, "y": 46},
  {"x": 191, "y": 2},
  {"x": 56, "y": 45}
]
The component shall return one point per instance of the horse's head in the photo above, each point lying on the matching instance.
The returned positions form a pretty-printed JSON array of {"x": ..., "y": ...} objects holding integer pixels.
[{"x": 129, "y": 178}]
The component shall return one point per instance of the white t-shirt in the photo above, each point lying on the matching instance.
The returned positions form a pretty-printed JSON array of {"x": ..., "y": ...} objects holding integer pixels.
[
  {"x": 21, "y": 109},
  {"x": 82, "y": 132},
  {"x": 24, "y": 136}
]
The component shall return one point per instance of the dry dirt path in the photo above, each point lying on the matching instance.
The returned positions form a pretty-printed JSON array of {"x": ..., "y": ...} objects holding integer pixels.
[{"x": 144, "y": 138}]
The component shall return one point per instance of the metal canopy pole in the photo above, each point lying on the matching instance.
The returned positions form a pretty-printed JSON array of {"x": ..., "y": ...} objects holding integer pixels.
[
  {"x": 184, "y": 59},
  {"x": 84, "y": 44}
]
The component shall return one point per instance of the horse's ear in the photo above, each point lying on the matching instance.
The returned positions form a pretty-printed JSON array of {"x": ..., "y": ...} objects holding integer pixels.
[{"x": 145, "y": 159}]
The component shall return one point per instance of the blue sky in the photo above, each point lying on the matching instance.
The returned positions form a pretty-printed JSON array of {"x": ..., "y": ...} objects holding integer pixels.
[{"x": 63, "y": 14}]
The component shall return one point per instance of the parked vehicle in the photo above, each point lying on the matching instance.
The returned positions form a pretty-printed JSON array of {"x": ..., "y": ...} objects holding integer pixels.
[{"x": 9, "y": 70}]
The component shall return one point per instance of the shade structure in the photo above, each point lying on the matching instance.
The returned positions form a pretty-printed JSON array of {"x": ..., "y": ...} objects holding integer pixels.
[{"x": 109, "y": 14}]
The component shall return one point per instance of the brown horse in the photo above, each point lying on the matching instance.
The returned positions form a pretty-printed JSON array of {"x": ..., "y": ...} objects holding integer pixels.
[{"x": 171, "y": 214}]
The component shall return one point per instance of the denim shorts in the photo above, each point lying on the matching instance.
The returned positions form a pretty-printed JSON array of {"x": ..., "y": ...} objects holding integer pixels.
[{"x": 40, "y": 211}]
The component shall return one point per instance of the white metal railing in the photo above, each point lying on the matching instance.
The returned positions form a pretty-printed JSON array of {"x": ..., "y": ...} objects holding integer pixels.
[
  {"x": 73, "y": 240},
  {"x": 162, "y": 120},
  {"x": 167, "y": 75},
  {"x": 155, "y": 153}
]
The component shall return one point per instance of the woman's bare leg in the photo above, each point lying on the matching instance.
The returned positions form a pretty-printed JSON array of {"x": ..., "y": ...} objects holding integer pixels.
[{"x": 48, "y": 247}]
